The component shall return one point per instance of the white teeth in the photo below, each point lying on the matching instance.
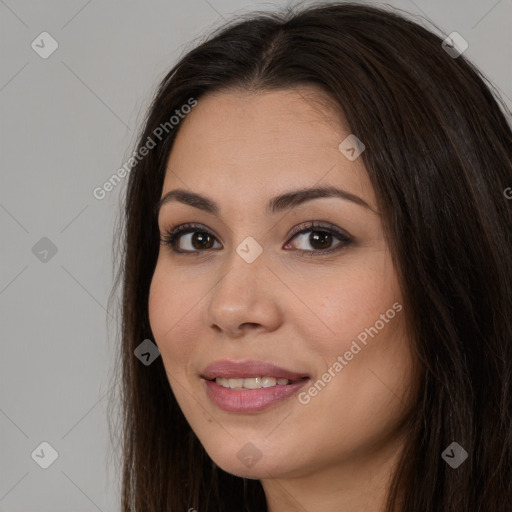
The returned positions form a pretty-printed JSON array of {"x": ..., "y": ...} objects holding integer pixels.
[
  {"x": 268, "y": 382},
  {"x": 251, "y": 382},
  {"x": 235, "y": 383},
  {"x": 222, "y": 382}
]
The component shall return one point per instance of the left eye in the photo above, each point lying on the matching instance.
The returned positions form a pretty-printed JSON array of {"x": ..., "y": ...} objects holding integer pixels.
[{"x": 319, "y": 240}]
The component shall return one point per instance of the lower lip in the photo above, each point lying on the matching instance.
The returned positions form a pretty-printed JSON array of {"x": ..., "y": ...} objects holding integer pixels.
[{"x": 250, "y": 400}]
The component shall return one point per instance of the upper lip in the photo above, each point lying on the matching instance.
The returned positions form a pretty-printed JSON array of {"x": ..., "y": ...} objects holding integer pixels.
[{"x": 245, "y": 369}]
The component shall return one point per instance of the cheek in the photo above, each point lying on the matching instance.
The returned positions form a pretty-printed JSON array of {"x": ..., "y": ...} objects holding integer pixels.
[
  {"x": 372, "y": 350},
  {"x": 354, "y": 301},
  {"x": 172, "y": 314},
  {"x": 363, "y": 346}
]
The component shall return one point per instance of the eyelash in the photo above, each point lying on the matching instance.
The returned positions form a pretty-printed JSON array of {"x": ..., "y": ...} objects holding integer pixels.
[{"x": 171, "y": 237}]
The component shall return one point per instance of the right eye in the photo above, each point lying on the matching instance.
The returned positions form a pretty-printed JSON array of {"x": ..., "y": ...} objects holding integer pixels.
[{"x": 192, "y": 241}]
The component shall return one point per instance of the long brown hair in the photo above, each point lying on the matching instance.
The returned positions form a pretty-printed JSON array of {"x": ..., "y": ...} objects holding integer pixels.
[{"x": 438, "y": 153}]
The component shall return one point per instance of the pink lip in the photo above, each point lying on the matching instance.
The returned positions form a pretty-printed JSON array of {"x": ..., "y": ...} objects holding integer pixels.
[
  {"x": 249, "y": 400},
  {"x": 234, "y": 370}
]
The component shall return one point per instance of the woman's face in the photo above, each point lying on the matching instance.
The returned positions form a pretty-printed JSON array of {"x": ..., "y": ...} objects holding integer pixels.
[{"x": 322, "y": 306}]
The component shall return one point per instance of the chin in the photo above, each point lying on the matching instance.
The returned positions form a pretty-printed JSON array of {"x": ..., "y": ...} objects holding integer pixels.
[{"x": 251, "y": 460}]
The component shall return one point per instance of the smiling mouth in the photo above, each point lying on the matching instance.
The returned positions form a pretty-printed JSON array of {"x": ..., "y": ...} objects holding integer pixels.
[
  {"x": 253, "y": 382},
  {"x": 250, "y": 386}
]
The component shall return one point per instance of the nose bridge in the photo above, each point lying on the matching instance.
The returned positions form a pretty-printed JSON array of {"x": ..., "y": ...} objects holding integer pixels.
[
  {"x": 245, "y": 268},
  {"x": 246, "y": 253}
]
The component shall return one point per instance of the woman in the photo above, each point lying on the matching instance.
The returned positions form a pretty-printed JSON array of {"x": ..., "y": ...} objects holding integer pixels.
[{"x": 318, "y": 243}]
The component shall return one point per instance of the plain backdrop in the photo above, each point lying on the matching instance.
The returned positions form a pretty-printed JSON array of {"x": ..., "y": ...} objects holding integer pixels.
[{"x": 68, "y": 122}]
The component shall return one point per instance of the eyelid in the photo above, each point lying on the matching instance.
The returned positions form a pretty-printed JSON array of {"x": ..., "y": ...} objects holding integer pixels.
[{"x": 311, "y": 225}]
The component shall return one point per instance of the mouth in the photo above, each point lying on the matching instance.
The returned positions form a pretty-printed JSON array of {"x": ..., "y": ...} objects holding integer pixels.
[{"x": 251, "y": 386}]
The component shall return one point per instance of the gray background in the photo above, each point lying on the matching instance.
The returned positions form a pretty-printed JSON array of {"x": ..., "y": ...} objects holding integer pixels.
[{"x": 68, "y": 123}]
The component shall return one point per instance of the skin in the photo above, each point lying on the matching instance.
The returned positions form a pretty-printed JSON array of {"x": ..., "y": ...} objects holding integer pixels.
[{"x": 297, "y": 311}]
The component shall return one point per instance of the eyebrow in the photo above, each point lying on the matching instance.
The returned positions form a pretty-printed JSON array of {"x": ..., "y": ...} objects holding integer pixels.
[{"x": 277, "y": 204}]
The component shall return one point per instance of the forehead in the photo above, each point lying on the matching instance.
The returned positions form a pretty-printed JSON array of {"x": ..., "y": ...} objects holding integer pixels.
[
  {"x": 232, "y": 118},
  {"x": 235, "y": 140}
]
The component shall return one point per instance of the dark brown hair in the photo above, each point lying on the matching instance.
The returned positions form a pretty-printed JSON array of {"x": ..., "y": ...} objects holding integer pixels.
[{"x": 438, "y": 153}]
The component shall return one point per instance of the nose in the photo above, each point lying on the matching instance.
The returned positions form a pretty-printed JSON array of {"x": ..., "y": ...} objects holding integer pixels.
[{"x": 244, "y": 299}]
